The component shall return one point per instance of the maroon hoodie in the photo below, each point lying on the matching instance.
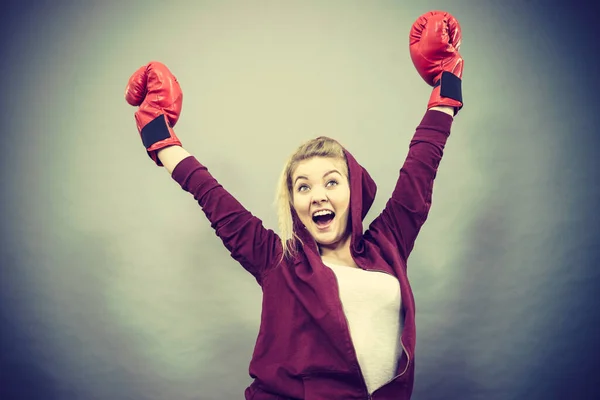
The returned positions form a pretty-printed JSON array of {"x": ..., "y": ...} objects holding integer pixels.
[{"x": 304, "y": 349}]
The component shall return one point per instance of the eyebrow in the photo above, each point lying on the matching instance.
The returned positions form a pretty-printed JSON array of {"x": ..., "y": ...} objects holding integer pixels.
[{"x": 326, "y": 173}]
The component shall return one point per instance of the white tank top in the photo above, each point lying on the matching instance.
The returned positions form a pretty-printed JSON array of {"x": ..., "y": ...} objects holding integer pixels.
[{"x": 372, "y": 303}]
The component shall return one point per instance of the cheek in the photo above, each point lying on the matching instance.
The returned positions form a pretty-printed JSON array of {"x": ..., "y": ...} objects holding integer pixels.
[
  {"x": 342, "y": 200},
  {"x": 299, "y": 204},
  {"x": 345, "y": 206}
]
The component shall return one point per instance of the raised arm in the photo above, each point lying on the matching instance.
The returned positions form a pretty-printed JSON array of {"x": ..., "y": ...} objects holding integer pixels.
[
  {"x": 171, "y": 157},
  {"x": 435, "y": 39},
  {"x": 407, "y": 209},
  {"x": 157, "y": 93}
]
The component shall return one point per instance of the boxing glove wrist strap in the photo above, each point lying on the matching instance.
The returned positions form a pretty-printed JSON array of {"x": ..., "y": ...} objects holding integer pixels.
[
  {"x": 155, "y": 131},
  {"x": 450, "y": 86}
]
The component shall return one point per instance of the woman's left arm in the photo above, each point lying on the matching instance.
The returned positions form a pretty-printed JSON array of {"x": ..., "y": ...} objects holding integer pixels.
[
  {"x": 435, "y": 39},
  {"x": 407, "y": 209}
]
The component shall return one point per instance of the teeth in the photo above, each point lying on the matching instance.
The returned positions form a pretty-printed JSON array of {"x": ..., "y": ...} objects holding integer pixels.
[{"x": 322, "y": 212}]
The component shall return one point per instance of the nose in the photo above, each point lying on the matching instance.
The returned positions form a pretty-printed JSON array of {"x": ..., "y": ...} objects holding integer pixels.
[{"x": 319, "y": 195}]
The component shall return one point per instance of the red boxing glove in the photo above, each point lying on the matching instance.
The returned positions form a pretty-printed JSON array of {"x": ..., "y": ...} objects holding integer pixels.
[
  {"x": 434, "y": 41},
  {"x": 156, "y": 90}
]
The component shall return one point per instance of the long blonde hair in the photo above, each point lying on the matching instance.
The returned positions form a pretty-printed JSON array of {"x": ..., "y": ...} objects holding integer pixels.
[{"x": 319, "y": 147}]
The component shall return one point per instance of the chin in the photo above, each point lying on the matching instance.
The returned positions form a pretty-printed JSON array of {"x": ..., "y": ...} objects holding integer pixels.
[{"x": 327, "y": 240}]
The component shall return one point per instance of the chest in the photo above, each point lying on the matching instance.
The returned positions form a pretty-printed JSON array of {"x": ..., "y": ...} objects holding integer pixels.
[{"x": 365, "y": 292}]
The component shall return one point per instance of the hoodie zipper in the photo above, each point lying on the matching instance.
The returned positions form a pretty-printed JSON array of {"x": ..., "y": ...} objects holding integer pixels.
[
  {"x": 369, "y": 395},
  {"x": 401, "y": 343},
  {"x": 364, "y": 383}
]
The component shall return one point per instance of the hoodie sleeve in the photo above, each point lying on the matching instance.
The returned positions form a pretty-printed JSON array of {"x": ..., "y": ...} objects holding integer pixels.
[
  {"x": 407, "y": 209},
  {"x": 249, "y": 242}
]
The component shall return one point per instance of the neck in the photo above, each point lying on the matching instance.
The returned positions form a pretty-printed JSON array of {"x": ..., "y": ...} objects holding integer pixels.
[{"x": 338, "y": 253}]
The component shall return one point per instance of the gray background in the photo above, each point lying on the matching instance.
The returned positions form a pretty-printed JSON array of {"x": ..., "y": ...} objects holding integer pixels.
[{"x": 114, "y": 286}]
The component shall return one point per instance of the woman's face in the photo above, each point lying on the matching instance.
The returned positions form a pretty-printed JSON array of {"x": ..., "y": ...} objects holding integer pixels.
[{"x": 321, "y": 198}]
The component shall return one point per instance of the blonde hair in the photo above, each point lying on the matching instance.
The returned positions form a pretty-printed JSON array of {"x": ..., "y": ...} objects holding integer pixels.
[{"x": 319, "y": 147}]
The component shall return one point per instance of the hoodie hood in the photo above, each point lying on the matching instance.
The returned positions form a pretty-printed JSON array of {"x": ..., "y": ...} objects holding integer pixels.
[{"x": 362, "y": 194}]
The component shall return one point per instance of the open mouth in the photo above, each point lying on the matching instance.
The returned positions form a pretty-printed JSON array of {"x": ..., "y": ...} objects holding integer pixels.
[{"x": 323, "y": 218}]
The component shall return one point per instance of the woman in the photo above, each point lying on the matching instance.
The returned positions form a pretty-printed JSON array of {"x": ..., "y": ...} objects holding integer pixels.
[{"x": 338, "y": 319}]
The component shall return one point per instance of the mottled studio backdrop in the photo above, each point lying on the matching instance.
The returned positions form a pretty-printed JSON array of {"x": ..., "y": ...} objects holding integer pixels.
[{"x": 113, "y": 285}]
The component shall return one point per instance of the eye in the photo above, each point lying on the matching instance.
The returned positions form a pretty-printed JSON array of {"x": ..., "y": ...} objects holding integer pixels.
[
  {"x": 302, "y": 188},
  {"x": 332, "y": 182}
]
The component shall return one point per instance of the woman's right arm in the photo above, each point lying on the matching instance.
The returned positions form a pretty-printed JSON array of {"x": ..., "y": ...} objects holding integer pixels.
[
  {"x": 171, "y": 156},
  {"x": 256, "y": 248},
  {"x": 156, "y": 92}
]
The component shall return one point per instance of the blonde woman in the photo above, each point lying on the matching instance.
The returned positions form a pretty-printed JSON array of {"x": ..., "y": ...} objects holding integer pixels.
[{"x": 338, "y": 319}]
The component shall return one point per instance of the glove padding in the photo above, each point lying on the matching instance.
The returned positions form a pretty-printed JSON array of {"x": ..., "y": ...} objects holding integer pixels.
[
  {"x": 157, "y": 93},
  {"x": 434, "y": 42}
]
